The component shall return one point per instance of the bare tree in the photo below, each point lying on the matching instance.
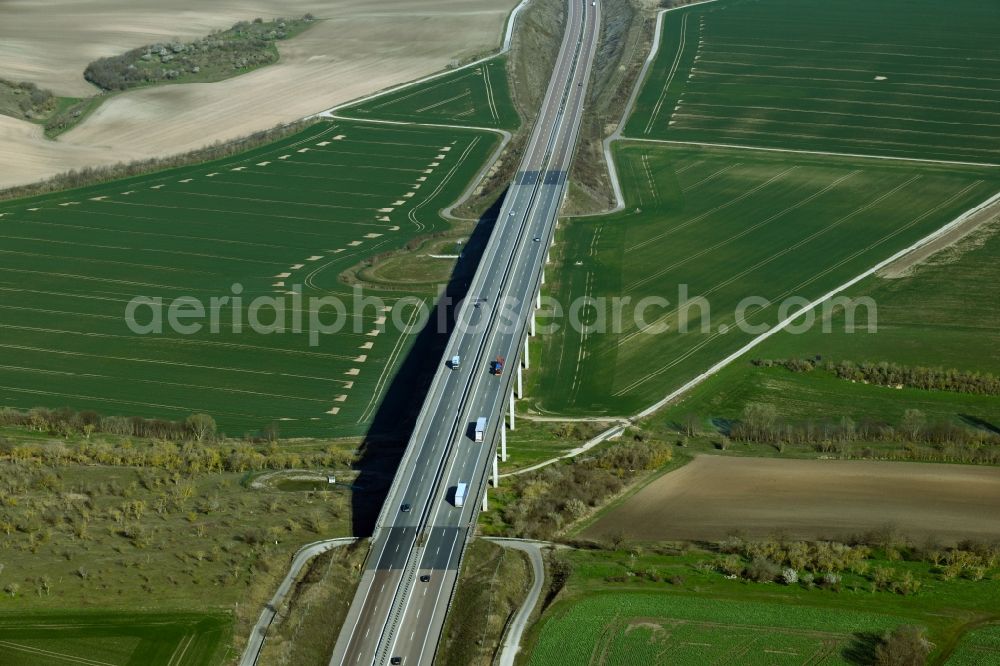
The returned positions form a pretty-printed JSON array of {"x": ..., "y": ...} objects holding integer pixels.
[
  {"x": 903, "y": 646},
  {"x": 913, "y": 423}
]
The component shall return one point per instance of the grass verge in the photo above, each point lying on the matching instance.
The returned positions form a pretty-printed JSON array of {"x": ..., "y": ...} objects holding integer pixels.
[{"x": 491, "y": 587}]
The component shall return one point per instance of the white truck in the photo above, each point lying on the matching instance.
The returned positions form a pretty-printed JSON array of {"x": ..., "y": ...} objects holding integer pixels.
[
  {"x": 456, "y": 361},
  {"x": 460, "y": 492},
  {"x": 480, "y": 429}
]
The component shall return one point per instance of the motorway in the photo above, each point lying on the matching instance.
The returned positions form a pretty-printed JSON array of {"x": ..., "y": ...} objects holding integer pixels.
[{"x": 394, "y": 614}]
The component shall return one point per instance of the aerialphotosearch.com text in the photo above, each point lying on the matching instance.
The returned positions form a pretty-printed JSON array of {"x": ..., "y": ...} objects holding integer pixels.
[{"x": 319, "y": 317}]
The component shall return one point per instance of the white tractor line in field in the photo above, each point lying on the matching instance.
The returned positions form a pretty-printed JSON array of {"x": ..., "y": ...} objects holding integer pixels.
[
  {"x": 798, "y": 151},
  {"x": 618, "y": 134}
]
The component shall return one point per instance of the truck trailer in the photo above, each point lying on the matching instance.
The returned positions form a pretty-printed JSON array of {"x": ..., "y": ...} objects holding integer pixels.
[
  {"x": 480, "y": 429},
  {"x": 460, "y": 491}
]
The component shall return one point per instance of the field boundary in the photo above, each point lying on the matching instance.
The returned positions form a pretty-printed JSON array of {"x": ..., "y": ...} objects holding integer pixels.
[
  {"x": 504, "y": 48},
  {"x": 821, "y": 153}
]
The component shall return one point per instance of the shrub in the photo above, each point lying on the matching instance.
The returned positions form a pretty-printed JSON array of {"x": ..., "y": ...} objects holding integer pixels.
[
  {"x": 731, "y": 565},
  {"x": 906, "y": 585},
  {"x": 762, "y": 570},
  {"x": 831, "y": 581},
  {"x": 903, "y": 646}
]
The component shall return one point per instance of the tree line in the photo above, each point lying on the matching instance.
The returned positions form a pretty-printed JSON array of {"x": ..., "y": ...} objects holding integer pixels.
[
  {"x": 190, "y": 446},
  {"x": 66, "y": 422},
  {"x": 760, "y": 423},
  {"x": 895, "y": 375},
  {"x": 94, "y": 175},
  {"x": 186, "y": 458}
]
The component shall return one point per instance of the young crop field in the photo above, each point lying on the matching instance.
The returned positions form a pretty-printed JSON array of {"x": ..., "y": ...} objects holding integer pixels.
[
  {"x": 643, "y": 628},
  {"x": 819, "y": 396},
  {"x": 942, "y": 314},
  {"x": 472, "y": 97},
  {"x": 722, "y": 225},
  {"x": 275, "y": 222},
  {"x": 898, "y": 78},
  {"x": 978, "y": 647},
  {"x": 112, "y": 639},
  {"x": 635, "y": 605}
]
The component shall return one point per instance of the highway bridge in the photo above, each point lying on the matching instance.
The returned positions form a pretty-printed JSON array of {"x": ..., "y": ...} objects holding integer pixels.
[{"x": 410, "y": 575}]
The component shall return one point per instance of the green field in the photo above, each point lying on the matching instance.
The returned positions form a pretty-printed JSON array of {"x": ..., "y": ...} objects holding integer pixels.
[
  {"x": 640, "y": 606},
  {"x": 293, "y": 214},
  {"x": 649, "y": 628},
  {"x": 112, "y": 639},
  {"x": 893, "y": 77},
  {"x": 978, "y": 647},
  {"x": 727, "y": 224},
  {"x": 941, "y": 315},
  {"x": 473, "y": 97}
]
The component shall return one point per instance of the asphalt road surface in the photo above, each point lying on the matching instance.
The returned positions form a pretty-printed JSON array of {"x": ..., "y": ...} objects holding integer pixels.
[
  {"x": 515, "y": 630},
  {"x": 394, "y": 613}
]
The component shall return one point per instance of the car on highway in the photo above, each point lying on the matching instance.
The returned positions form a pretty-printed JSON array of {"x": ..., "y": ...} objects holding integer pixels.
[
  {"x": 425, "y": 578},
  {"x": 512, "y": 213},
  {"x": 405, "y": 508},
  {"x": 537, "y": 238},
  {"x": 396, "y": 660}
]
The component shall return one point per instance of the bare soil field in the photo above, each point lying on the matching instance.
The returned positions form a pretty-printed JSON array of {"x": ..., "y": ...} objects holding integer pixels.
[
  {"x": 715, "y": 496},
  {"x": 358, "y": 48}
]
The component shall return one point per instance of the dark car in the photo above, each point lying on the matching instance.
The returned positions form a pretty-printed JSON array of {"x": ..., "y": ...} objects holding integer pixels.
[
  {"x": 425, "y": 578},
  {"x": 396, "y": 660},
  {"x": 405, "y": 508}
]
